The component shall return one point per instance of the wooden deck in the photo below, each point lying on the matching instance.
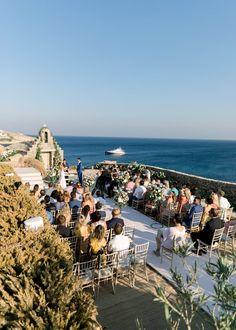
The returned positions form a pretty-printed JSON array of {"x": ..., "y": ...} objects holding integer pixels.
[{"x": 120, "y": 311}]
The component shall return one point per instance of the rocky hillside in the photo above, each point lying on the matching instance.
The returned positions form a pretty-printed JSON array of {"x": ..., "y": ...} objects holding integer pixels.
[{"x": 7, "y": 137}]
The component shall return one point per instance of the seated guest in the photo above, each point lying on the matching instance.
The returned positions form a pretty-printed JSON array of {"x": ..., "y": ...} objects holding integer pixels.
[
  {"x": 98, "y": 197},
  {"x": 50, "y": 189},
  {"x": 97, "y": 241},
  {"x": 70, "y": 187},
  {"x": 88, "y": 200},
  {"x": 140, "y": 191},
  {"x": 82, "y": 231},
  {"x": 82, "y": 228},
  {"x": 206, "y": 235},
  {"x": 85, "y": 212},
  {"x": 79, "y": 196},
  {"x": 224, "y": 204},
  {"x": 209, "y": 205},
  {"x": 62, "y": 229},
  {"x": 96, "y": 220},
  {"x": 215, "y": 198},
  {"x": 119, "y": 242},
  {"x": 195, "y": 208},
  {"x": 182, "y": 201},
  {"x": 35, "y": 192},
  {"x": 115, "y": 219},
  {"x": 47, "y": 204},
  {"x": 166, "y": 237},
  {"x": 74, "y": 202},
  {"x": 130, "y": 185},
  {"x": 60, "y": 202},
  {"x": 174, "y": 189},
  {"x": 98, "y": 208}
]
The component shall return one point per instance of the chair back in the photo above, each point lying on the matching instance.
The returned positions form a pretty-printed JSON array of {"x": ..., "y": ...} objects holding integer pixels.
[
  {"x": 85, "y": 271},
  {"x": 165, "y": 219},
  {"x": 226, "y": 214},
  {"x": 75, "y": 211},
  {"x": 129, "y": 231},
  {"x": 217, "y": 237},
  {"x": 231, "y": 232},
  {"x": 140, "y": 252},
  {"x": 124, "y": 258},
  {"x": 196, "y": 221},
  {"x": 71, "y": 224},
  {"x": 72, "y": 242}
]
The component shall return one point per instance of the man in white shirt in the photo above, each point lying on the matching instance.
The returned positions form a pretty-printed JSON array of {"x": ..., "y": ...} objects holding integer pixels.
[
  {"x": 223, "y": 203},
  {"x": 140, "y": 191},
  {"x": 119, "y": 242}
]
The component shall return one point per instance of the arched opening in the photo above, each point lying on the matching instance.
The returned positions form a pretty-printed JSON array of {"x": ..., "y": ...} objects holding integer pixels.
[{"x": 46, "y": 137}]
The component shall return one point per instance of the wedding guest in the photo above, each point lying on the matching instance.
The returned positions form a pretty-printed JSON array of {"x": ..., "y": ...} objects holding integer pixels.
[
  {"x": 209, "y": 205},
  {"x": 82, "y": 231},
  {"x": 35, "y": 192},
  {"x": 98, "y": 208},
  {"x": 74, "y": 202},
  {"x": 70, "y": 187},
  {"x": 206, "y": 235},
  {"x": 88, "y": 200},
  {"x": 166, "y": 237},
  {"x": 119, "y": 242},
  {"x": 139, "y": 191},
  {"x": 62, "y": 229},
  {"x": 97, "y": 241},
  {"x": 130, "y": 185},
  {"x": 97, "y": 220},
  {"x": 223, "y": 202},
  {"x": 195, "y": 208},
  {"x": 86, "y": 212},
  {"x": 182, "y": 201},
  {"x": 115, "y": 219},
  {"x": 80, "y": 171},
  {"x": 49, "y": 190},
  {"x": 215, "y": 198},
  {"x": 98, "y": 197}
]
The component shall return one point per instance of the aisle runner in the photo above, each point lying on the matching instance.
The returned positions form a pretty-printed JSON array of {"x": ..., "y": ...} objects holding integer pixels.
[{"x": 144, "y": 232}]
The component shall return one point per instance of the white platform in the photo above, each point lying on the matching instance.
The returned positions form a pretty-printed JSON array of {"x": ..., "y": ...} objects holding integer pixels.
[
  {"x": 31, "y": 175},
  {"x": 144, "y": 232}
]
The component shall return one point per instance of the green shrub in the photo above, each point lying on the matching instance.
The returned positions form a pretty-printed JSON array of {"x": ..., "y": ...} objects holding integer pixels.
[{"x": 37, "y": 286}]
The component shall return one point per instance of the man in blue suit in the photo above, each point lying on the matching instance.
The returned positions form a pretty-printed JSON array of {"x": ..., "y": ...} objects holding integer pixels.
[{"x": 80, "y": 171}]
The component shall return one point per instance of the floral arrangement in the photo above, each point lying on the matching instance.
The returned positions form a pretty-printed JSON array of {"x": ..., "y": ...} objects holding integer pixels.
[
  {"x": 121, "y": 198},
  {"x": 52, "y": 176},
  {"x": 7, "y": 154},
  {"x": 88, "y": 181},
  {"x": 154, "y": 193},
  {"x": 122, "y": 180},
  {"x": 136, "y": 167},
  {"x": 158, "y": 175}
]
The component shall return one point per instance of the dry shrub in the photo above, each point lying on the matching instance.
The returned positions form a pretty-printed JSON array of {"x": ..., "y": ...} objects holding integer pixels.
[
  {"x": 37, "y": 287},
  {"x": 35, "y": 163}
]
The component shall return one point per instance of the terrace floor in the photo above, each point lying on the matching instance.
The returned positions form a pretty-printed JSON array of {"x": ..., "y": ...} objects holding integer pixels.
[{"x": 120, "y": 311}]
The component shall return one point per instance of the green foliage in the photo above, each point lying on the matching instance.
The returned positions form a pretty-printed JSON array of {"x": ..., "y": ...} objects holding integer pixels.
[
  {"x": 38, "y": 155},
  {"x": 37, "y": 286},
  {"x": 190, "y": 298},
  {"x": 187, "y": 302},
  {"x": 224, "y": 311}
]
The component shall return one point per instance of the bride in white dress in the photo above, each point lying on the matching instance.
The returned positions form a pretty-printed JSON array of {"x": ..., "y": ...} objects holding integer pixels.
[{"x": 62, "y": 180}]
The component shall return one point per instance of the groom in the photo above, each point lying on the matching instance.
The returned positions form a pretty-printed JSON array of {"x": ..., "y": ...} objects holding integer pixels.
[{"x": 80, "y": 171}]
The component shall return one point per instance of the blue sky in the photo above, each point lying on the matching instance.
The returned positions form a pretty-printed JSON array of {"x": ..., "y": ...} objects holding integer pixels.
[{"x": 119, "y": 67}]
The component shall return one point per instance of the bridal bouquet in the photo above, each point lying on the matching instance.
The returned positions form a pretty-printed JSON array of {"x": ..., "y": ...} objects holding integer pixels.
[
  {"x": 88, "y": 181},
  {"x": 121, "y": 198}
]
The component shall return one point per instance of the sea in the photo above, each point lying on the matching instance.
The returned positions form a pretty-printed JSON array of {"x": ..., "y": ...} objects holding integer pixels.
[{"x": 208, "y": 158}]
